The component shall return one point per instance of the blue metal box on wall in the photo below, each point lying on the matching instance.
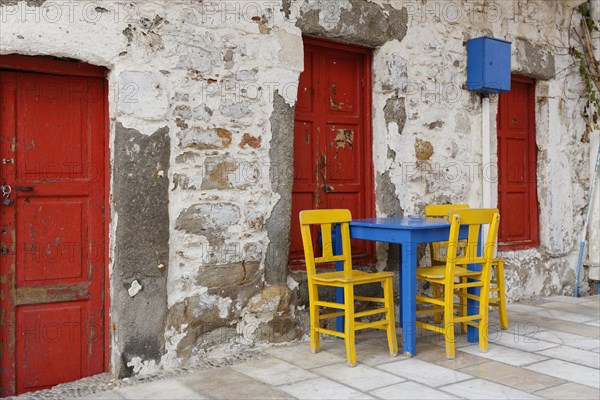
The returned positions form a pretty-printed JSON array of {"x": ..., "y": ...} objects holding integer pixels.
[{"x": 488, "y": 65}]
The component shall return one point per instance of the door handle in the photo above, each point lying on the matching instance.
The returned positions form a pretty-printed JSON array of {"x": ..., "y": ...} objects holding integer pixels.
[{"x": 24, "y": 188}]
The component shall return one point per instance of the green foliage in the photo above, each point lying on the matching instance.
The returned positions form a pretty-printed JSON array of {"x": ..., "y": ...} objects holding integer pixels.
[{"x": 584, "y": 65}]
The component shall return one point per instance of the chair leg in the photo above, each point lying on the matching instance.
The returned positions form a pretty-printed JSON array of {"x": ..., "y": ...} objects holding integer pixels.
[
  {"x": 349, "y": 325},
  {"x": 437, "y": 294},
  {"x": 449, "y": 320},
  {"x": 501, "y": 295},
  {"x": 315, "y": 336},
  {"x": 463, "y": 304},
  {"x": 484, "y": 302},
  {"x": 388, "y": 295}
]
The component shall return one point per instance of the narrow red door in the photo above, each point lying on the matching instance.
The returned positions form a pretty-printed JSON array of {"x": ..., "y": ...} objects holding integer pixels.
[
  {"x": 517, "y": 189},
  {"x": 52, "y": 232},
  {"x": 332, "y": 138}
]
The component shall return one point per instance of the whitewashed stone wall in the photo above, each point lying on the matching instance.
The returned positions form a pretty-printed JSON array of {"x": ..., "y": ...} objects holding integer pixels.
[{"x": 212, "y": 84}]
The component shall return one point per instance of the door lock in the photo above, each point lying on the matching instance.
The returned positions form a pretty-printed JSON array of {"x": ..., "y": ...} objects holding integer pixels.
[{"x": 6, "y": 189}]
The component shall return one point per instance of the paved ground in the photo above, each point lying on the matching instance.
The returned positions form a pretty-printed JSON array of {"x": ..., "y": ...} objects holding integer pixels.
[{"x": 551, "y": 350}]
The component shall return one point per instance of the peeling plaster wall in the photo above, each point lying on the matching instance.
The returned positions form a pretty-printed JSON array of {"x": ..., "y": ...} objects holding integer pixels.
[
  {"x": 202, "y": 97},
  {"x": 192, "y": 93},
  {"x": 431, "y": 151}
]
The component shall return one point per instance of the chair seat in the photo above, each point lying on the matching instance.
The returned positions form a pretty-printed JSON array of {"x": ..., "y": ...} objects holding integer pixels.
[
  {"x": 355, "y": 277},
  {"x": 439, "y": 272}
]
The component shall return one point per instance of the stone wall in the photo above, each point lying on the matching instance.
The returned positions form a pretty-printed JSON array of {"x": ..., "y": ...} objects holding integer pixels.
[{"x": 201, "y": 101}]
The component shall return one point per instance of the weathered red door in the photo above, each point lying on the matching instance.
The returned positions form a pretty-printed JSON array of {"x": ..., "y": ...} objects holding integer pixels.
[
  {"x": 332, "y": 138},
  {"x": 517, "y": 189},
  {"x": 53, "y": 133}
]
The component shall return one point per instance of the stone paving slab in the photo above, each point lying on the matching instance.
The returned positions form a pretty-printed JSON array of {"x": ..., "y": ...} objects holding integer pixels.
[
  {"x": 162, "y": 389},
  {"x": 302, "y": 357},
  {"x": 323, "y": 388},
  {"x": 273, "y": 371},
  {"x": 423, "y": 372},
  {"x": 569, "y": 371},
  {"x": 408, "y": 390},
  {"x": 568, "y": 391},
  {"x": 568, "y": 339},
  {"x": 361, "y": 377},
  {"x": 226, "y": 383},
  {"x": 436, "y": 354},
  {"x": 573, "y": 355},
  {"x": 508, "y": 375},
  {"x": 478, "y": 389},
  {"x": 505, "y": 355}
]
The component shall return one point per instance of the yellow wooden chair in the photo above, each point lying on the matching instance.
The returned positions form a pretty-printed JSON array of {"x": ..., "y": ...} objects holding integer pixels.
[
  {"x": 438, "y": 249},
  {"x": 346, "y": 279},
  {"x": 438, "y": 257},
  {"x": 456, "y": 267}
]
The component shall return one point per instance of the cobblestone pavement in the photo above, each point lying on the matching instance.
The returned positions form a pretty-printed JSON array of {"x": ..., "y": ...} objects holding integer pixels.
[{"x": 551, "y": 350}]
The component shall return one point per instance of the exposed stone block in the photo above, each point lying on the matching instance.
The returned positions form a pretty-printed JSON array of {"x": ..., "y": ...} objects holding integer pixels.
[
  {"x": 208, "y": 218},
  {"x": 225, "y": 172},
  {"x": 423, "y": 150},
  {"x": 142, "y": 237},
  {"x": 362, "y": 22},
  {"x": 205, "y": 139}
]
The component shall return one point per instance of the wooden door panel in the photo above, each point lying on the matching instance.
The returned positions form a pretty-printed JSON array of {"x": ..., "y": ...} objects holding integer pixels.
[
  {"x": 304, "y": 150},
  {"x": 344, "y": 157},
  {"x": 343, "y": 76},
  {"x": 516, "y": 205},
  {"x": 46, "y": 331},
  {"x": 305, "y": 99},
  {"x": 53, "y": 130},
  {"x": 51, "y": 239},
  {"x": 57, "y": 107},
  {"x": 516, "y": 162}
]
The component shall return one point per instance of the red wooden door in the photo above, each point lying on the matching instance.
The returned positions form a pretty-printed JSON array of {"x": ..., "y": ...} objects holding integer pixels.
[
  {"x": 517, "y": 193},
  {"x": 332, "y": 138},
  {"x": 52, "y": 235}
]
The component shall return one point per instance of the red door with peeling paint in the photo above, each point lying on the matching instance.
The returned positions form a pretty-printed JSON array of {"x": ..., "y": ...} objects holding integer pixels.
[
  {"x": 53, "y": 134},
  {"x": 517, "y": 189},
  {"x": 333, "y": 166}
]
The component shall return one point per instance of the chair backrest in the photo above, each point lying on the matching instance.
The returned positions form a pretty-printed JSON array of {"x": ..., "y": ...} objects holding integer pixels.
[
  {"x": 442, "y": 210},
  {"x": 438, "y": 249},
  {"x": 474, "y": 218},
  {"x": 326, "y": 219}
]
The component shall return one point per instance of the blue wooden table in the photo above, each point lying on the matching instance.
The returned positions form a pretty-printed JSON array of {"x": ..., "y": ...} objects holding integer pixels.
[{"x": 407, "y": 232}]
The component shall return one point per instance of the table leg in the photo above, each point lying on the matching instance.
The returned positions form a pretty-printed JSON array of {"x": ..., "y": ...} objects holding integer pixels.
[
  {"x": 408, "y": 293},
  {"x": 472, "y": 305},
  {"x": 400, "y": 283}
]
